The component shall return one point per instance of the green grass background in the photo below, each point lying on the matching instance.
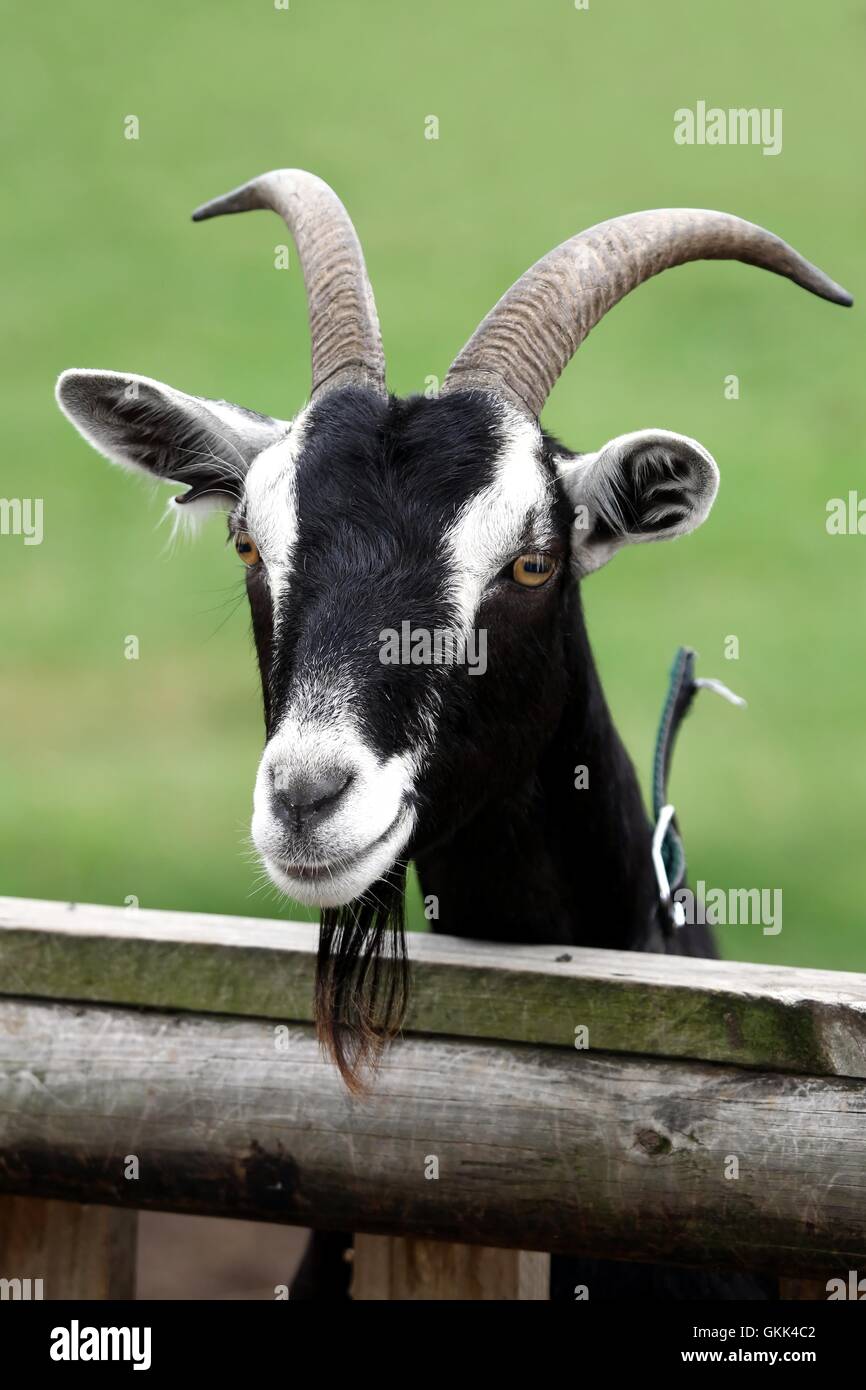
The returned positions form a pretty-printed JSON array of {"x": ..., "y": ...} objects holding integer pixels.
[{"x": 134, "y": 777}]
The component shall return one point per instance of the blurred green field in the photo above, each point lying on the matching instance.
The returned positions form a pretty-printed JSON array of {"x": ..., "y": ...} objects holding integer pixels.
[{"x": 133, "y": 778}]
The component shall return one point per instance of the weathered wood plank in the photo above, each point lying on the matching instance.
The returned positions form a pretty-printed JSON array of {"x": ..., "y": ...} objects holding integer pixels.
[
  {"x": 544, "y": 1148},
  {"x": 400, "y": 1270},
  {"x": 779, "y": 1018},
  {"x": 73, "y": 1251}
]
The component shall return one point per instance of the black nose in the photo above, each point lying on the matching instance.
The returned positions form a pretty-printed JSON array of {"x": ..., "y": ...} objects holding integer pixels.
[{"x": 297, "y": 800}]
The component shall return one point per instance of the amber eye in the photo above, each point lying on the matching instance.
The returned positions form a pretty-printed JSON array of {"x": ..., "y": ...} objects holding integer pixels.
[
  {"x": 533, "y": 569},
  {"x": 247, "y": 548}
]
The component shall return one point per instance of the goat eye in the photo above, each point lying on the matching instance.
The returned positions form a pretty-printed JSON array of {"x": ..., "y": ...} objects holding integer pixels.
[
  {"x": 247, "y": 548},
  {"x": 533, "y": 569}
]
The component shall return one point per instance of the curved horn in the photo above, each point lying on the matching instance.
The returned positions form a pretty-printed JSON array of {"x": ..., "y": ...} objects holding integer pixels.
[
  {"x": 344, "y": 326},
  {"x": 527, "y": 339}
]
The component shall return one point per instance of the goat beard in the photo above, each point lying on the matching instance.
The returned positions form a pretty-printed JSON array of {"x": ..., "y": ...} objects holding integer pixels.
[{"x": 362, "y": 977}]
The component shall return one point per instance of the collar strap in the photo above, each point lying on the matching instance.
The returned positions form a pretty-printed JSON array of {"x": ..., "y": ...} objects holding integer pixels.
[{"x": 669, "y": 856}]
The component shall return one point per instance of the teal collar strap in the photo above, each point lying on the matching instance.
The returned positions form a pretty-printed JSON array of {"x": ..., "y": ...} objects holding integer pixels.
[{"x": 669, "y": 856}]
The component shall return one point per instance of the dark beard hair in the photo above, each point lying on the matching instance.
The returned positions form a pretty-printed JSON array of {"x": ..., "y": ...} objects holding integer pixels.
[{"x": 362, "y": 976}]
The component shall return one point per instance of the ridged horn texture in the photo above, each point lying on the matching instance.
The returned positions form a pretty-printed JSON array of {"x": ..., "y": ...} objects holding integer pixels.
[
  {"x": 344, "y": 326},
  {"x": 522, "y": 346}
]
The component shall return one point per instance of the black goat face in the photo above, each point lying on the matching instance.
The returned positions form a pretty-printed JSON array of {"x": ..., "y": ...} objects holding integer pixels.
[{"x": 408, "y": 563}]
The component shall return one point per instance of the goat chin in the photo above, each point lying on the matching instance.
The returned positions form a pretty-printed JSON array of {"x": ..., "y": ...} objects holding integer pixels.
[
  {"x": 339, "y": 879},
  {"x": 338, "y": 890}
]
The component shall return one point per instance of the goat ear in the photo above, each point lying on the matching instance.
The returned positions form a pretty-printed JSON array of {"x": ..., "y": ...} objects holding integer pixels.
[
  {"x": 647, "y": 486},
  {"x": 176, "y": 438}
]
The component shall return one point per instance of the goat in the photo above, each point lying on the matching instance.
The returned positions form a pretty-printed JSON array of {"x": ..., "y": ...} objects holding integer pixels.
[{"x": 459, "y": 513}]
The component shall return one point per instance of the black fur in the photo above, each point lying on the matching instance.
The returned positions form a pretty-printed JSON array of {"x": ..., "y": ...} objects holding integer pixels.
[{"x": 362, "y": 975}]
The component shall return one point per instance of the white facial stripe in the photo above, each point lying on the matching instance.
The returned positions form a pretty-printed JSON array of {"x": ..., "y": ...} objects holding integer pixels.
[
  {"x": 271, "y": 506},
  {"x": 490, "y": 528}
]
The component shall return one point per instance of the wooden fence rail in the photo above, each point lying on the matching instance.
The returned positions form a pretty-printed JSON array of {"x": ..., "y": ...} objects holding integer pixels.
[{"x": 599, "y": 1102}]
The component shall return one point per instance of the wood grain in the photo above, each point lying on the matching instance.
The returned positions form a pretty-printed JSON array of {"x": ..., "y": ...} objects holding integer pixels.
[
  {"x": 398, "y": 1270},
  {"x": 541, "y": 1148},
  {"x": 76, "y": 1251}
]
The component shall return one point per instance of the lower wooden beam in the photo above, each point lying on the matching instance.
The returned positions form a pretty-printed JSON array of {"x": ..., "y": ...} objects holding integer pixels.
[
  {"x": 400, "y": 1269},
  {"x": 539, "y": 1148},
  {"x": 59, "y": 1250}
]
